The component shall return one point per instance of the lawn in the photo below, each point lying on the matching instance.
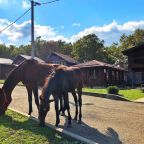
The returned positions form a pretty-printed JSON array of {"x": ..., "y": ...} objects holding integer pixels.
[
  {"x": 131, "y": 94},
  {"x": 18, "y": 129},
  {"x": 1, "y": 81}
]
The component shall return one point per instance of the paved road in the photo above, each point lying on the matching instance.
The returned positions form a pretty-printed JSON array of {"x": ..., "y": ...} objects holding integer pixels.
[{"x": 104, "y": 121}]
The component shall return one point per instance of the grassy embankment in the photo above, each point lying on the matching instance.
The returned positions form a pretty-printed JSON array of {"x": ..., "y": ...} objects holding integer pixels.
[
  {"x": 18, "y": 129},
  {"x": 131, "y": 94}
]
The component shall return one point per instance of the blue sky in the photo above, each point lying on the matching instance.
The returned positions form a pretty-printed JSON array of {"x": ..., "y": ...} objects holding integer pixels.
[{"x": 70, "y": 20}]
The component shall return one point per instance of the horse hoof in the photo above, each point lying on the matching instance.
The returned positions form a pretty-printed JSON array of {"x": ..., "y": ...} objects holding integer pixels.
[{"x": 29, "y": 113}]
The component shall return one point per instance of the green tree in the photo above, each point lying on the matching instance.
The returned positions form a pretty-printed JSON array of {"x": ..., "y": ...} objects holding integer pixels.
[
  {"x": 89, "y": 47},
  {"x": 134, "y": 39},
  {"x": 45, "y": 48},
  {"x": 126, "y": 41},
  {"x": 4, "y": 51}
]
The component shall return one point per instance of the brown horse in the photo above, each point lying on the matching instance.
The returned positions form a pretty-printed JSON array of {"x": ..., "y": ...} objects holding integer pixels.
[
  {"x": 65, "y": 79},
  {"x": 32, "y": 74}
]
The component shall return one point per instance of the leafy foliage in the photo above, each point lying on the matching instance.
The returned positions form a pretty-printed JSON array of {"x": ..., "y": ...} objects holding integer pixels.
[
  {"x": 89, "y": 47},
  {"x": 113, "y": 90}
]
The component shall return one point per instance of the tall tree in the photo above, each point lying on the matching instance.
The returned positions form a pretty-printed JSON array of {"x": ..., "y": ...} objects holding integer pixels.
[
  {"x": 132, "y": 40},
  {"x": 88, "y": 48}
]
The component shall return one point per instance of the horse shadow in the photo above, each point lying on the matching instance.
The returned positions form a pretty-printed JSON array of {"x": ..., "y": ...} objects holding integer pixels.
[
  {"x": 110, "y": 137},
  {"x": 84, "y": 130}
]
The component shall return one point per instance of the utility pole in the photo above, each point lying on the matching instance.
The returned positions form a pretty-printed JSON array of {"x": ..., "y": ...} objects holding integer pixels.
[{"x": 32, "y": 27}]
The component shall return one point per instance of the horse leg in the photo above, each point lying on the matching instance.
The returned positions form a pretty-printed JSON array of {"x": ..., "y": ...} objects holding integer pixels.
[
  {"x": 6, "y": 104},
  {"x": 62, "y": 107},
  {"x": 66, "y": 106},
  {"x": 57, "y": 110},
  {"x": 76, "y": 104},
  {"x": 61, "y": 103},
  {"x": 80, "y": 103},
  {"x": 29, "y": 90},
  {"x": 35, "y": 91}
]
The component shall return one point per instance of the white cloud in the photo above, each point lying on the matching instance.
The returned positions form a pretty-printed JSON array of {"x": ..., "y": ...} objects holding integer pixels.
[
  {"x": 25, "y": 4},
  {"x": 3, "y": 1},
  {"x": 23, "y": 31},
  {"x": 7, "y": 2},
  {"x": 17, "y": 31},
  {"x": 109, "y": 33},
  {"x": 76, "y": 24}
]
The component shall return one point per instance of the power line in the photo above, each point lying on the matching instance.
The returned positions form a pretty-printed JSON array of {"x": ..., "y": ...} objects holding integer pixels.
[
  {"x": 15, "y": 21},
  {"x": 26, "y": 13},
  {"x": 49, "y": 2}
]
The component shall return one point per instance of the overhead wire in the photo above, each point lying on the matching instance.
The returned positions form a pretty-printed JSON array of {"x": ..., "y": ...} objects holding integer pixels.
[
  {"x": 15, "y": 20},
  {"x": 44, "y": 3}
]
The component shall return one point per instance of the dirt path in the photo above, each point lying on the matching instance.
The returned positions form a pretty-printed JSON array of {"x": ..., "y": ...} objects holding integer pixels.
[{"x": 104, "y": 121}]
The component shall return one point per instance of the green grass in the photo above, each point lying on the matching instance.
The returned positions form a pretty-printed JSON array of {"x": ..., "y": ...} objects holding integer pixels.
[
  {"x": 98, "y": 90},
  {"x": 2, "y": 81},
  {"x": 131, "y": 94},
  {"x": 18, "y": 129}
]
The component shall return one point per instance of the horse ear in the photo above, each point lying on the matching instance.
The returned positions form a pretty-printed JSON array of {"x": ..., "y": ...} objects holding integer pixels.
[{"x": 51, "y": 100}]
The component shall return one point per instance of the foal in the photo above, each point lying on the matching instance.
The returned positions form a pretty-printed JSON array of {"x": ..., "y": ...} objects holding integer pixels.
[{"x": 63, "y": 81}]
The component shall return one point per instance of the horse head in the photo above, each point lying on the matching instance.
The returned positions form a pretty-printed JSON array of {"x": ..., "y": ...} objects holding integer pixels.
[
  {"x": 43, "y": 109},
  {"x": 2, "y": 101}
]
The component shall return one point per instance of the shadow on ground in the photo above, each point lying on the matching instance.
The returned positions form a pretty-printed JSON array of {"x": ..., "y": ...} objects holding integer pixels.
[
  {"x": 84, "y": 130},
  {"x": 110, "y": 137}
]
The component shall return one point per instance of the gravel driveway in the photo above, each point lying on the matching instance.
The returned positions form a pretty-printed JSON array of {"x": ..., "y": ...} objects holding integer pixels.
[{"x": 104, "y": 121}]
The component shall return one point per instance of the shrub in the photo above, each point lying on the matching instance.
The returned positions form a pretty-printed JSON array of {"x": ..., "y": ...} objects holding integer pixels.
[{"x": 112, "y": 90}]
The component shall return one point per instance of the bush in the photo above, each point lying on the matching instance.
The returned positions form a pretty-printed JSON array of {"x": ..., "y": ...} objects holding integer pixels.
[{"x": 112, "y": 90}]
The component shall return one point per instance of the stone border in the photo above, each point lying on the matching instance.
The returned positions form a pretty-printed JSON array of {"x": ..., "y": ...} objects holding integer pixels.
[
  {"x": 61, "y": 131},
  {"x": 108, "y": 96}
]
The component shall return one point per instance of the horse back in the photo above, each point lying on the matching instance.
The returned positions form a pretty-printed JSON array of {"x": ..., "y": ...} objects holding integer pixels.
[
  {"x": 69, "y": 77},
  {"x": 35, "y": 73}
]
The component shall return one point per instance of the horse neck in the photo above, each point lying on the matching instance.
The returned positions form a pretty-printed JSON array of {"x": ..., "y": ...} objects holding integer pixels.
[{"x": 10, "y": 83}]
